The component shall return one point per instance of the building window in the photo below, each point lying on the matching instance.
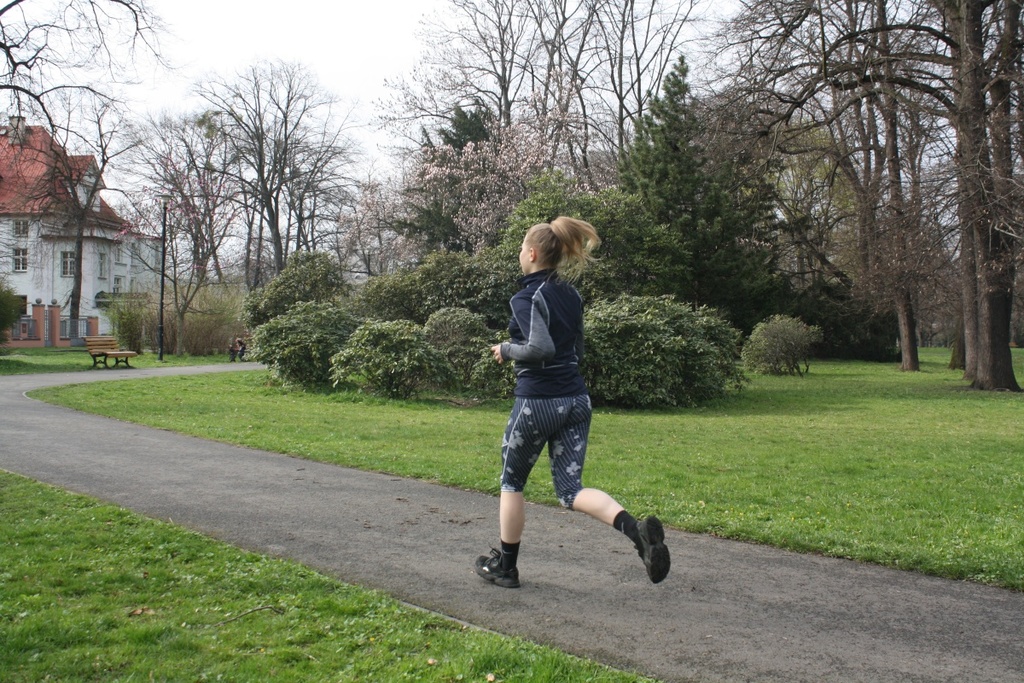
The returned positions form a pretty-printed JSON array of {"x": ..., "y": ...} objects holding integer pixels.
[
  {"x": 119, "y": 253},
  {"x": 21, "y": 228},
  {"x": 67, "y": 264},
  {"x": 118, "y": 284},
  {"x": 21, "y": 260},
  {"x": 102, "y": 264}
]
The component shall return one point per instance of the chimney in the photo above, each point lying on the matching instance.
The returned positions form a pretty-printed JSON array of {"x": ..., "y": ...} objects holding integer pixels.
[{"x": 16, "y": 130}]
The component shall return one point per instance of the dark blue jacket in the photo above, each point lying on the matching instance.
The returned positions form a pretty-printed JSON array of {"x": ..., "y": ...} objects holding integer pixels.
[{"x": 546, "y": 337}]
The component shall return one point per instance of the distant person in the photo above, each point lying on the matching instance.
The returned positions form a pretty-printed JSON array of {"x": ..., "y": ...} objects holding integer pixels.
[
  {"x": 237, "y": 349},
  {"x": 552, "y": 405}
]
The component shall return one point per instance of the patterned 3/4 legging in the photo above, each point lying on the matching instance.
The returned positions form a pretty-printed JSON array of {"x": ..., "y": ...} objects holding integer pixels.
[{"x": 561, "y": 423}]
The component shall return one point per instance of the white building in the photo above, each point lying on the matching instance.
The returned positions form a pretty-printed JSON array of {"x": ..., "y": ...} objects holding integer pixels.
[{"x": 38, "y": 234}]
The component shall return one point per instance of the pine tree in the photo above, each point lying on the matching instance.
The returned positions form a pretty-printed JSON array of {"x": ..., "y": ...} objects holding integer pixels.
[{"x": 726, "y": 263}]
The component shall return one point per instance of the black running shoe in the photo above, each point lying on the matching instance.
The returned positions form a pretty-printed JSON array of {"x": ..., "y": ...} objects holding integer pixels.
[
  {"x": 652, "y": 548},
  {"x": 490, "y": 569}
]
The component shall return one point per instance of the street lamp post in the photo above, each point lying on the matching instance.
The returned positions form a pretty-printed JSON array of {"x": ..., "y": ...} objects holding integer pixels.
[{"x": 165, "y": 199}]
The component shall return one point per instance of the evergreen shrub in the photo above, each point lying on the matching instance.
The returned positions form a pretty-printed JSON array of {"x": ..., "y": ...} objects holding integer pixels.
[
  {"x": 649, "y": 352},
  {"x": 460, "y": 335},
  {"x": 391, "y": 358},
  {"x": 482, "y": 283},
  {"x": 298, "y": 345},
  {"x": 309, "y": 276},
  {"x": 490, "y": 378}
]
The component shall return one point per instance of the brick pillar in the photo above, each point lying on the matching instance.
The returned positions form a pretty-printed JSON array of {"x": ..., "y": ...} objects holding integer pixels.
[
  {"x": 39, "y": 318},
  {"x": 54, "y": 315}
]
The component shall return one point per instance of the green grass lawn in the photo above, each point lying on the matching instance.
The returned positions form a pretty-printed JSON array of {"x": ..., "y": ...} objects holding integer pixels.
[
  {"x": 854, "y": 460},
  {"x": 31, "y": 361},
  {"x": 91, "y": 592}
]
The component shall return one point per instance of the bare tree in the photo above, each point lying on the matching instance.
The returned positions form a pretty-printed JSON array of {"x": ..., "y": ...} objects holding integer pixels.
[
  {"x": 290, "y": 155},
  {"x": 52, "y": 47},
  {"x": 55, "y": 53},
  {"x": 873, "y": 72},
  {"x": 586, "y": 68},
  {"x": 187, "y": 158},
  {"x": 76, "y": 154},
  {"x": 479, "y": 54},
  {"x": 985, "y": 46},
  {"x": 639, "y": 42}
]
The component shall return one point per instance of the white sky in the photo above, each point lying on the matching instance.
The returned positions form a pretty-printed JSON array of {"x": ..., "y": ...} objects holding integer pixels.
[{"x": 352, "y": 46}]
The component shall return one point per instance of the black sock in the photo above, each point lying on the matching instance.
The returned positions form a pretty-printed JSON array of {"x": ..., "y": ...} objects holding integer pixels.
[
  {"x": 625, "y": 523},
  {"x": 509, "y": 555}
]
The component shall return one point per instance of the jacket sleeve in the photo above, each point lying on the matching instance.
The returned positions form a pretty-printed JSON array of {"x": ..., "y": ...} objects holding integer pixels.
[{"x": 532, "y": 317}]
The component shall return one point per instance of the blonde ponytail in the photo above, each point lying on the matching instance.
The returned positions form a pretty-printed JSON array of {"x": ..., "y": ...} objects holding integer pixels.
[{"x": 564, "y": 244}]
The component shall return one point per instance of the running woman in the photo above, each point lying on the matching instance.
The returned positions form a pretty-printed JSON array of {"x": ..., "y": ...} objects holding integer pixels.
[{"x": 552, "y": 406}]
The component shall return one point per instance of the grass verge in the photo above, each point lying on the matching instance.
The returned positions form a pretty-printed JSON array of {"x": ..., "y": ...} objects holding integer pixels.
[
  {"x": 854, "y": 460},
  {"x": 92, "y": 592}
]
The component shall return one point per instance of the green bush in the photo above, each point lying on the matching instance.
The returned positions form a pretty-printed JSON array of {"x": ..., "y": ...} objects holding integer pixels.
[
  {"x": 130, "y": 315},
  {"x": 391, "y": 358},
  {"x": 459, "y": 334},
  {"x": 779, "y": 345},
  {"x": 490, "y": 378},
  {"x": 482, "y": 284},
  {"x": 651, "y": 352},
  {"x": 10, "y": 310},
  {"x": 298, "y": 345},
  {"x": 309, "y": 276}
]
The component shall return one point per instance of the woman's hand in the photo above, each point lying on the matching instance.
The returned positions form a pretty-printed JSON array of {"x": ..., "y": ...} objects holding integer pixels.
[{"x": 496, "y": 352}]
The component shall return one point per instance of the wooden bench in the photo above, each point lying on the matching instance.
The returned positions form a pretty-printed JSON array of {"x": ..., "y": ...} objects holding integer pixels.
[{"x": 104, "y": 348}]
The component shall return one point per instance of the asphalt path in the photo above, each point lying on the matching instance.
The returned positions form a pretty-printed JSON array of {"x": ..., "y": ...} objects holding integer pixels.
[{"x": 728, "y": 611}]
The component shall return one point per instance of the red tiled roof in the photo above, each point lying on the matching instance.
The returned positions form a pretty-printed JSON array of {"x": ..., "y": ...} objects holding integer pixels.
[{"x": 36, "y": 174}]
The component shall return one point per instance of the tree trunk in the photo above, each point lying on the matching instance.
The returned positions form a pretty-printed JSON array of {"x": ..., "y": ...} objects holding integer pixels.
[
  {"x": 979, "y": 209},
  {"x": 956, "y": 352},
  {"x": 995, "y": 366},
  {"x": 909, "y": 361},
  {"x": 995, "y": 363},
  {"x": 969, "y": 299},
  {"x": 179, "y": 332},
  {"x": 76, "y": 283}
]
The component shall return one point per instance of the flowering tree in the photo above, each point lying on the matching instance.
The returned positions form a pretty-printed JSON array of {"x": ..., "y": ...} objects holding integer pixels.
[
  {"x": 485, "y": 180},
  {"x": 367, "y": 242},
  {"x": 474, "y": 184}
]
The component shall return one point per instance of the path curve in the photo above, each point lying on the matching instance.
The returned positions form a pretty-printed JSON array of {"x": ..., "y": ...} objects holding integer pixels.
[{"x": 728, "y": 612}]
